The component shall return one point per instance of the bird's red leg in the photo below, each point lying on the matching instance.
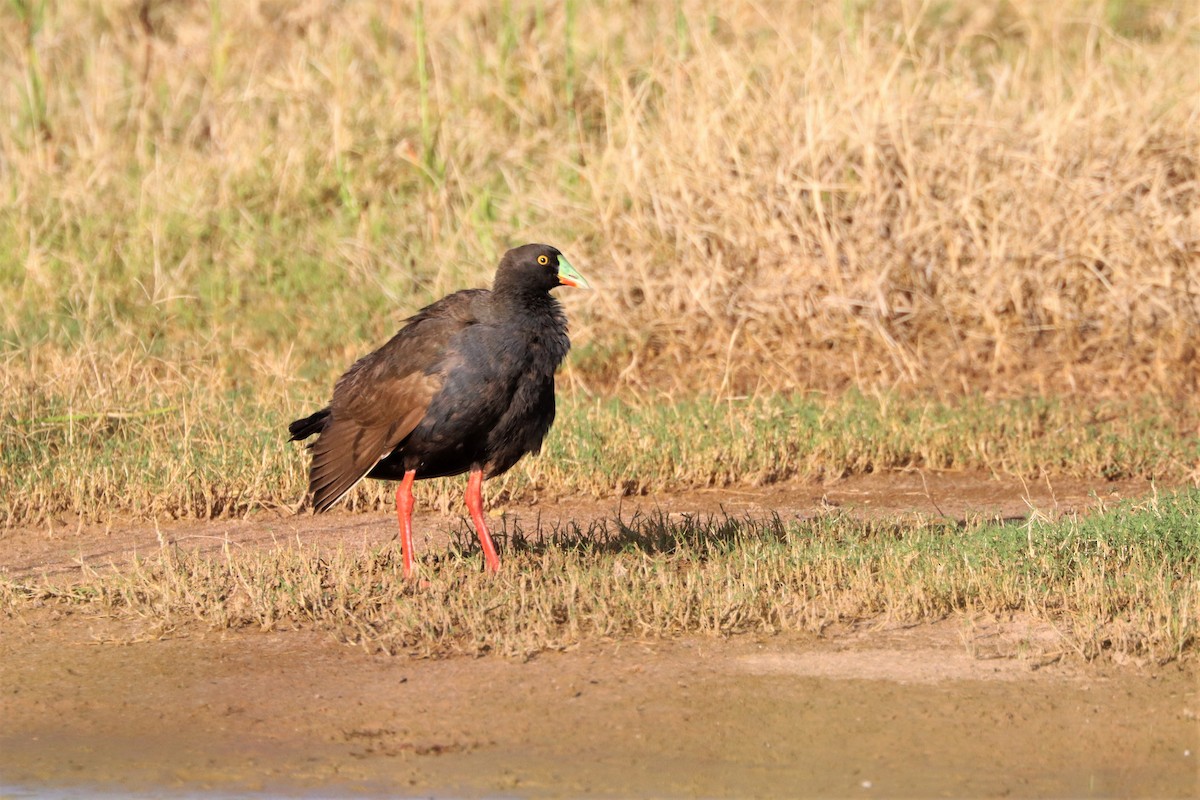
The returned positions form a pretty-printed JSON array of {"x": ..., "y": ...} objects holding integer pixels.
[
  {"x": 404, "y": 509},
  {"x": 475, "y": 506}
]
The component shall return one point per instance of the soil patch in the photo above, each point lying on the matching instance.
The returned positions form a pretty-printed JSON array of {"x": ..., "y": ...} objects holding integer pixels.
[
  {"x": 876, "y": 711},
  {"x": 69, "y": 546}
]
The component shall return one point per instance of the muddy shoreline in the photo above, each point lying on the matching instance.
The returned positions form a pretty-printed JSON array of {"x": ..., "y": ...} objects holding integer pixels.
[{"x": 878, "y": 710}]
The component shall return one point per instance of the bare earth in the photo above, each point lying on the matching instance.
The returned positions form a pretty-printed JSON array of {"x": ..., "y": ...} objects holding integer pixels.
[{"x": 878, "y": 710}]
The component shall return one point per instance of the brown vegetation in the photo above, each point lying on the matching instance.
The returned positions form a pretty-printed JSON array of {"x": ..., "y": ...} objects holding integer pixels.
[
  {"x": 919, "y": 195},
  {"x": 212, "y": 209}
]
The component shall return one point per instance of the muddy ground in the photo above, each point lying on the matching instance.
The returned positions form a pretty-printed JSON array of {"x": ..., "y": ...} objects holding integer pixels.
[{"x": 951, "y": 708}]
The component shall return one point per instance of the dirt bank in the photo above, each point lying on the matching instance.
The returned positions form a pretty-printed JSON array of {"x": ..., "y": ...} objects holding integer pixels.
[{"x": 66, "y": 546}]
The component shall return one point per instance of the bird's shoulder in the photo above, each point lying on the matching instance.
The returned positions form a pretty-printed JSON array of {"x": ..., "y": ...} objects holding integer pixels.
[
  {"x": 460, "y": 309},
  {"x": 407, "y": 371}
]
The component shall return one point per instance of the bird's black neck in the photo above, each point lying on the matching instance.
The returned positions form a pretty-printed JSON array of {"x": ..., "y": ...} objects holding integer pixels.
[{"x": 524, "y": 301}]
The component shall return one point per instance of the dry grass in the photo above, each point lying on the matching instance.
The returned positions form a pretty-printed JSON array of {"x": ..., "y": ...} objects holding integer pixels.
[
  {"x": 906, "y": 194},
  {"x": 937, "y": 195},
  {"x": 1123, "y": 582},
  {"x": 210, "y": 209}
]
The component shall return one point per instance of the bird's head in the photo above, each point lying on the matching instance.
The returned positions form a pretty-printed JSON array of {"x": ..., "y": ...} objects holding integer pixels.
[{"x": 537, "y": 267}]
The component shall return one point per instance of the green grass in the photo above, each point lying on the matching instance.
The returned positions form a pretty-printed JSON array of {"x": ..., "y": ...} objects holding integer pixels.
[
  {"x": 1125, "y": 581},
  {"x": 194, "y": 454}
]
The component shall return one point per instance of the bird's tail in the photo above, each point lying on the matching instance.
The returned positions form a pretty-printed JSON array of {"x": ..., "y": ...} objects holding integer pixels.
[{"x": 304, "y": 428}]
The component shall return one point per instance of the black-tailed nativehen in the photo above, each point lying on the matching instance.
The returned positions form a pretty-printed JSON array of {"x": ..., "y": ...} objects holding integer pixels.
[{"x": 467, "y": 385}]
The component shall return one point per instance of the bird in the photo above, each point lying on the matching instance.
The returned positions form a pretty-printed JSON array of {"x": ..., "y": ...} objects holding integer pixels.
[{"x": 465, "y": 385}]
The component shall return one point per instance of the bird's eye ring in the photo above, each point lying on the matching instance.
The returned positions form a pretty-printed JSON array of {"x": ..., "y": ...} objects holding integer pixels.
[{"x": 543, "y": 260}]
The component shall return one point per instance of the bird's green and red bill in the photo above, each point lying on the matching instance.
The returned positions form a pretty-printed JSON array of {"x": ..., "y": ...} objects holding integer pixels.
[{"x": 569, "y": 276}]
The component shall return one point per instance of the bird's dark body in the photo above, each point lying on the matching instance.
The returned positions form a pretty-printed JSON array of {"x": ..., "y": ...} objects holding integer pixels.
[
  {"x": 467, "y": 384},
  {"x": 496, "y": 402}
]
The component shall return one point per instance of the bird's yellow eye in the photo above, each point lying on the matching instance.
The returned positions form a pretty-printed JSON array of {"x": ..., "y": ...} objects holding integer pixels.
[{"x": 543, "y": 260}]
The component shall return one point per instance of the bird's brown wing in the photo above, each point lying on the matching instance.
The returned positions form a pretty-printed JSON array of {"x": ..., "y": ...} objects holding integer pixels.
[
  {"x": 356, "y": 438},
  {"x": 383, "y": 397}
]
